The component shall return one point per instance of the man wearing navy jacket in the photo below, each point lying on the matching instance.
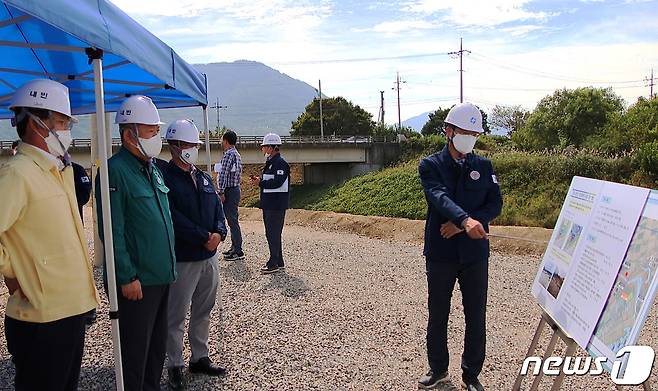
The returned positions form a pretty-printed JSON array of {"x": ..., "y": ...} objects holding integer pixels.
[
  {"x": 198, "y": 220},
  {"x": 274, "y": 199},
  {"x": 462, "y": 196}
]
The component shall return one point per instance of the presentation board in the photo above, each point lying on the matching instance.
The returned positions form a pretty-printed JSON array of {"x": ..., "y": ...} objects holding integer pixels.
[
  {"x": 633, "y": 291},
  {"x": 583, "y": 258}
]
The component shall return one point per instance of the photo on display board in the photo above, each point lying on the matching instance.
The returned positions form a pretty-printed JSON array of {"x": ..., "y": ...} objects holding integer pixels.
[
  {"x": 557, "y": 280},
  {"x": 572, "y": 239},
  {"x": 562, "y": 233},
  {"x": 547, "y": 274}
]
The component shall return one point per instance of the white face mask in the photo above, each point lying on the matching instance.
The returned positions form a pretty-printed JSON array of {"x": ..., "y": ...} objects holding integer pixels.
[
  {"x": 190, "y": 155},
  {"x": 57, "y": 141},
  {"x": 464, "y": 143},
  {"x": 150, "y": 147}
]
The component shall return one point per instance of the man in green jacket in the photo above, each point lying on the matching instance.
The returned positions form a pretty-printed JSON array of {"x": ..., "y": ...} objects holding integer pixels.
[{"x": 143, "y": 243}]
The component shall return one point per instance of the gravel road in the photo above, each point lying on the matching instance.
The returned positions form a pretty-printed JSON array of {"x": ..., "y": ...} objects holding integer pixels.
[{"x": 349, "y": 313}]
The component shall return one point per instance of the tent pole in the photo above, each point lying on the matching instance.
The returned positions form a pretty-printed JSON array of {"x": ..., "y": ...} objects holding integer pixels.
[
  {"x": 207, "y": 131},
  {"x": 98, "y": 257},
  {"x": 107, "y": 218}
]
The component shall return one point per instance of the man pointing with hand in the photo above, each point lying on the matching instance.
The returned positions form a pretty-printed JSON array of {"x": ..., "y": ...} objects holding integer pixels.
[{"x": 462, "y": 196}]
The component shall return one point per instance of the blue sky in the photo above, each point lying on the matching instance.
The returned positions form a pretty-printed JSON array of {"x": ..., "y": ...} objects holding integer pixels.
[{"x": 521, "y": 50}]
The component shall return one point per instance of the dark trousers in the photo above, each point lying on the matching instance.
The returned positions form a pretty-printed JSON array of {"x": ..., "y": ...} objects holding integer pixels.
[
  {"x": 47, "y": 356},
  {"x": 473, "y": 282},
  {"x": 231, "y": 202},
  {"x": 143, "y": 331},
  {"x": 274, "y": 220}
]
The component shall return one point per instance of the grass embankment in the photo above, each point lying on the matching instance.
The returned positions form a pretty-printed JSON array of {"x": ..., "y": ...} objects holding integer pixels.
[{"x": 533, "y": 185}]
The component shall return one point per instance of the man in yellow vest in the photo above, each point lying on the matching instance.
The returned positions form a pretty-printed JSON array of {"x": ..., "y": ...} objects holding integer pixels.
[{"x": 43, "y": 249}]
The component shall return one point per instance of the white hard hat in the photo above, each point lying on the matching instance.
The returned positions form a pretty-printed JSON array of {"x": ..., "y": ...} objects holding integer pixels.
[
  {"x": 43, "y": 94},
  {"x": 138, "y": 109},
  {"x": 183, "y": 130},
  {"x": 465, "y": 116},
  {"x": 271, "y": 139}
]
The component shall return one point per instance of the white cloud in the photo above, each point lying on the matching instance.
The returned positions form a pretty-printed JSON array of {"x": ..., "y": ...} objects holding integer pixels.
[
  {"x": 522, "y": 30},
  {"x": 483, "y": 13},
  {"x": 401, "y": 26},
  {"x": 256, "y": 11},
  {"x": 282, "y": 32}
]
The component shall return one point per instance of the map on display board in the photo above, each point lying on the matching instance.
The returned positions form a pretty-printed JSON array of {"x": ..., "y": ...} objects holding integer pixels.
[
  {"x": 583, "y": 258},
  {"x": 633, "y": 291}
]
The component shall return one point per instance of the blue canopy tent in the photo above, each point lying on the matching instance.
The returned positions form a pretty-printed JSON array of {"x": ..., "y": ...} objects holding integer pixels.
[{"x": 102, "y": 56}]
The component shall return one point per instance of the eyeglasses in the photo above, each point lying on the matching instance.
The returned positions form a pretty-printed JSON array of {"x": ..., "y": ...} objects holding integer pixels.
[{"x": 61, "y": 124}]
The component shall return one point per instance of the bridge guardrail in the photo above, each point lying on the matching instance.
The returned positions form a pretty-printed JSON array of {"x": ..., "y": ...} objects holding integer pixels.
[{"x": 256, "y": 140}]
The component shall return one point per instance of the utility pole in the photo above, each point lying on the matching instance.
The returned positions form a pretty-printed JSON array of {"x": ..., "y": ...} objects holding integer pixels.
[
  {"x": 381, "y": 109},
  {"x": 321, "y": 122},
  {"x": 218, "y": 107},
  {"x": 397, "y": 87},
  {"x": 460, "y": 53},
  {"x": 651, "y": 84}
]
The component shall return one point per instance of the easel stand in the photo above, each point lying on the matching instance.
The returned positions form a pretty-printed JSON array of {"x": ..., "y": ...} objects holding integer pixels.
[{"x": 571, "y": 349}]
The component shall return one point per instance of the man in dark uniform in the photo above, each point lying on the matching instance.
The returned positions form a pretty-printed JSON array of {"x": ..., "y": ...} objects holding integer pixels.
[
  {"x": 274, "y": 199},
  {"x": 462, "y": 196},
  {"x": 199, "y": 228},
  {"x": 82, "y": 187}
]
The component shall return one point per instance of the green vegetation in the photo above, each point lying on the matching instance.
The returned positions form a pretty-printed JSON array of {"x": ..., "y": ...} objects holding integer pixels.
[
  {"x": 339, "y": 116},
  {"x": 533, "y": 185},
  {"x": 582, "y": 132}
]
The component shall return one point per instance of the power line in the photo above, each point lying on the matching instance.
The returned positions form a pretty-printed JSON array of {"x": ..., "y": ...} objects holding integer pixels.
[
  {"x": 547, "y": 75},
  {"x": 362, "y": 59},
  {"x": 380, "y": 117},
  {"x": 397, "y": 88},
  {"x": 460, "y": 53},
  {"x": 218, "y": 107},
  {"x": 650, "y": 85}
]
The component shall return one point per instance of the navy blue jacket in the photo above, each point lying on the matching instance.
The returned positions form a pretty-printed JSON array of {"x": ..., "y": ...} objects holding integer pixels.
[
  {"x": 195, "y": 211},
  {"x": 453, "y": 193},
  {"x": 82, "y": 186},
  {"x": 280, "y": 169}
]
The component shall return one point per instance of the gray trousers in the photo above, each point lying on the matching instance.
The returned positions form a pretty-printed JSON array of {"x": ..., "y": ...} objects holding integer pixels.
[
  {"x": 195, "y": 287},
  {"x": 231, "y": 202}
]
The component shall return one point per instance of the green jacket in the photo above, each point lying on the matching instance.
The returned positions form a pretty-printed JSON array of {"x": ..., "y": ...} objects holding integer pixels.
[{"x": 142, "y": 229}]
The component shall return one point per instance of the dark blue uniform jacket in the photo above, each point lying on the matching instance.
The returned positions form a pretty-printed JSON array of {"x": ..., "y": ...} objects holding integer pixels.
[
  {"x": 453, "y": 193},
  {"x": 278, "y": 172},
  {"x": 195, "y": 211}
]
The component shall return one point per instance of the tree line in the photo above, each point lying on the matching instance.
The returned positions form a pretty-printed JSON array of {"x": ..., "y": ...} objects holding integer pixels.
[{"x": 588, "y": 117}]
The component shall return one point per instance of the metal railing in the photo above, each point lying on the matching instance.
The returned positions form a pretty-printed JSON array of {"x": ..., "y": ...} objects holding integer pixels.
[{"x": 256, "y": 140}]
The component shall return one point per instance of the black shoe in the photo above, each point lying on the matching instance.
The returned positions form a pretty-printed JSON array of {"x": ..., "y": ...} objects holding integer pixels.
[
  {"x": 472, "y": 384},
  {"x": 205, "y": 366},
  {"x": 269, "y": 269},
  {"x": 227, "y": 252},
  {"x": 175, "y": 378},
  {"x": 234, "y": 256},
  {"x": 432, "y": 380},
  {"x": 282, "y": 266}
]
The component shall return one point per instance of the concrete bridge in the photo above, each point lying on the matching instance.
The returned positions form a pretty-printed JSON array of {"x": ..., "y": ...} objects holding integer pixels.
[{"x": 324, "y": 160}]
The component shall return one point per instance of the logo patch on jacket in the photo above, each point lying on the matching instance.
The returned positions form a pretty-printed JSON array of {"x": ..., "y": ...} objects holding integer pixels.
[
  {"x": 475, "y": 175},
  {"x": 494, "y": 179},
  {"x": 279, "y": 172}
]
